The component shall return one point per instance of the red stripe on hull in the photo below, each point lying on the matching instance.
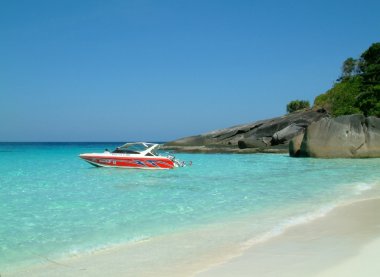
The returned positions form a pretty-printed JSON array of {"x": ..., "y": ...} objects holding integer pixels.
[{"x": 130, "y": 162}]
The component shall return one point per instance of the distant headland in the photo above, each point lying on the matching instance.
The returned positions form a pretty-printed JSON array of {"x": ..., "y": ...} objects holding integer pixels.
[{"x": 344, "y": 122}]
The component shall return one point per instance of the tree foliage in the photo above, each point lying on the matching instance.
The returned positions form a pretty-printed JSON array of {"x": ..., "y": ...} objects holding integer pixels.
[
  {"x": 297, "y": 105},
  {"x": 358, "y": 88},
  {"x": 349, "y": 68},
  {"x": 369, "y": 99},
  {"x": 341, "y": 98}
]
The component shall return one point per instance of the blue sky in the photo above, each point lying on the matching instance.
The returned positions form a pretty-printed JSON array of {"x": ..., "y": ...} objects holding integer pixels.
[{"x": 160, "y": 70}]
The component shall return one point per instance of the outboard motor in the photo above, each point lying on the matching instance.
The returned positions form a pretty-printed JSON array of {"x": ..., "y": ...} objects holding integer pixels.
[{"x": 179, "y": 163}]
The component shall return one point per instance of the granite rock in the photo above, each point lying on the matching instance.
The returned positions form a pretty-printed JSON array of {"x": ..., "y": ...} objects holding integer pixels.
[
  {"x": 271, "y": 135},
  {"x": 349, "y": 136}
]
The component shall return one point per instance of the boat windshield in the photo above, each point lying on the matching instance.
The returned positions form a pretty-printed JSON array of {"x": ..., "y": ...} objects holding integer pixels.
[
  {"x": 125, "y": 151},
  {"x": 133, "y": 148}
]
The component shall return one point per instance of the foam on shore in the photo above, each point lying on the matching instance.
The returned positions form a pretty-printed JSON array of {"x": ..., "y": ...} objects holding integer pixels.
[{"x": 340, "y": 244}]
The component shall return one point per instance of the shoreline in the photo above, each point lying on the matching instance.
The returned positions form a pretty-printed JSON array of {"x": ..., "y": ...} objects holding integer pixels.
[
  {"x": 341, "y": 243},
  {"x": 350, "y": 227}
]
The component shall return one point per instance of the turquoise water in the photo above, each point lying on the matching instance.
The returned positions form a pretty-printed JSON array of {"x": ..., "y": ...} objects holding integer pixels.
[{"x": 52, "y": 204}]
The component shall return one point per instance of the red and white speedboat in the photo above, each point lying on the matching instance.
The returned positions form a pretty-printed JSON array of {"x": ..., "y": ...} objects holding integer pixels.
[{"x": 133, "y": 155}]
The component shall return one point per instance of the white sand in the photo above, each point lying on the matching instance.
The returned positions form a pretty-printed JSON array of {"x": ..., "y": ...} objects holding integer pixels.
[
  {"x": 365, "y": 263},
  {"x": 346, "y": 242}
]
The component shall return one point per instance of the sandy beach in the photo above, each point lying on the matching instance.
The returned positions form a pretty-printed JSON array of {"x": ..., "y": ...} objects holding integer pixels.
[{"x": 345, "y": 242}]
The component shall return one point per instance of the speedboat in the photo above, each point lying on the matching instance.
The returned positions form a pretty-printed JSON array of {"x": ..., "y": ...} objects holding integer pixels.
[{"x": 133, "y": 155}]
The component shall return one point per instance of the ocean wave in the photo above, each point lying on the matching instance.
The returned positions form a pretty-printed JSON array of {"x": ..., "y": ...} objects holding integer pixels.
[
  {"x": 282, "y": 226},
  {"x": 89, "y": 250},
  {"x": 359, "y": 188}
]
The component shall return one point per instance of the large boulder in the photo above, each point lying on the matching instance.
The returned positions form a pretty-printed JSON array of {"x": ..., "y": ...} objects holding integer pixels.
[
  {"x": 271, "y": 135},
  {"x": 350, "y": 136},
  {"x": 295, "y": 145}
]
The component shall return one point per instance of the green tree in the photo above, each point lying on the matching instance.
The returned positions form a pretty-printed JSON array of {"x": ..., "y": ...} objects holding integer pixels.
[
  {"x": 341, "y": 98},
  {"x": 368, "y": 101},
  {"x": 297, "y": 105},
  {"x": 358, "y": 88},
  {"x": 349, "y": 68}
]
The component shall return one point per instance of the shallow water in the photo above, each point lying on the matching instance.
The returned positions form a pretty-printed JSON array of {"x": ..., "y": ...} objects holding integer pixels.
[{"x": 52, "y": 204}]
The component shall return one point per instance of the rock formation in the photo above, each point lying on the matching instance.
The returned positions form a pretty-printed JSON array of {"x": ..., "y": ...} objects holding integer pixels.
[
  {"x": 349, "y": 136},
  {"x": 271, "y": 135}
]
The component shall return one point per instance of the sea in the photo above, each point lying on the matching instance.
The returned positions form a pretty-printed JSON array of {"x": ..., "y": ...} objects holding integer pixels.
[{"x": 54, "y": 205}]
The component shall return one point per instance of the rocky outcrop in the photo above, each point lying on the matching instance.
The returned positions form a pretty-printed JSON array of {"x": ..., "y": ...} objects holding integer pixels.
[
  {"x": 272, "y": 135},
  {"x": 350, "y": 136},
  {"x": 295, "y": 145}
]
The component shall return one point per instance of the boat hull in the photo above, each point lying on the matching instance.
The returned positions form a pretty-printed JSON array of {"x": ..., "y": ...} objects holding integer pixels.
[{"x": 129, "y": 162}]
